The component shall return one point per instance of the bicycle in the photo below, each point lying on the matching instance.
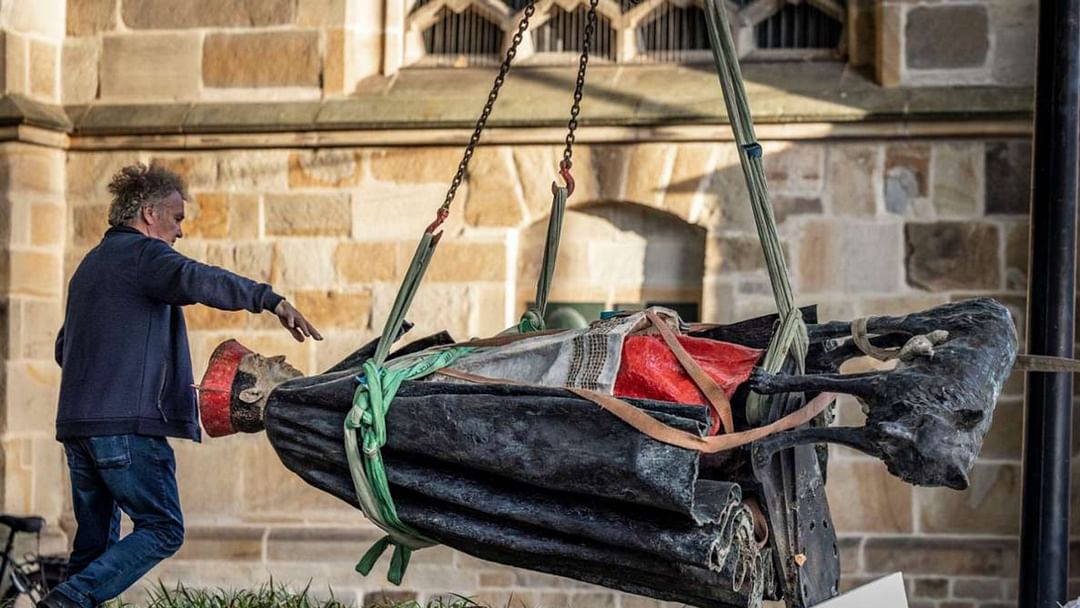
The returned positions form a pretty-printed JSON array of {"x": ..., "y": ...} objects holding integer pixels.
[{"x": 33, "y": 574}]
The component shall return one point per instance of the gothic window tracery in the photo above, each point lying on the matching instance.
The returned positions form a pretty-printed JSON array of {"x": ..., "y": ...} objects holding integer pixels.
[{"x": 463, "y": 33}]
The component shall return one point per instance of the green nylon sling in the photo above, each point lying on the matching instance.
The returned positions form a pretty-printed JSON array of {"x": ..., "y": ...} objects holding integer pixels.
[{"x": 791, "y": 337}]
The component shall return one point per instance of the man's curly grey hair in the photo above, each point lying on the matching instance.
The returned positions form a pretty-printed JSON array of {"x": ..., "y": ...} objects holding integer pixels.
[{"x": 137, "y": 186}]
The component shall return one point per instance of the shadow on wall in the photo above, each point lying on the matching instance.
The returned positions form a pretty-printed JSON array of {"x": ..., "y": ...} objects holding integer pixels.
[{"x": 617, "y": 255}]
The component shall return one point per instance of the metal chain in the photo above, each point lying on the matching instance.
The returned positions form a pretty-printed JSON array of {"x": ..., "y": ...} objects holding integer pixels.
[
  {"x": 482, "y": 121},
  {"x": 583, "y": 62}
]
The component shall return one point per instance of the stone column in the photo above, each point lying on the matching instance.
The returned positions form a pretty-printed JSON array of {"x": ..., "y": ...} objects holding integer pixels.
[
  {"x": 32, "y": 241},
  {"x": 33, "y": 34}
]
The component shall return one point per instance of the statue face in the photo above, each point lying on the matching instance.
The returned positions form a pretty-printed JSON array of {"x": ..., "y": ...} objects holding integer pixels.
[{"x": 256, "y": 378}]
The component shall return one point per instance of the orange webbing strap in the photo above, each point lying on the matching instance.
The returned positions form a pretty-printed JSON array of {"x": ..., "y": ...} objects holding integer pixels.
[
  {"x": 651, "y": 427},
  {"x": 721, "y": 406}
]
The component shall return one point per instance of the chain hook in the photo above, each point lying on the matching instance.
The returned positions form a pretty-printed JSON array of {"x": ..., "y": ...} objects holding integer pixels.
[
  {"x": 440, "y": 217},
  {"x": 564, "y": 171}
]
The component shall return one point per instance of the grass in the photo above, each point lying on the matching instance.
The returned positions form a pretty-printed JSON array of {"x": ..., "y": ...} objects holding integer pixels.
[{"x": 268, "y": 595}]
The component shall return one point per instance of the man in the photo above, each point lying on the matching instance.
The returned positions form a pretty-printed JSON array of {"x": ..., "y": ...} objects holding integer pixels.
[{"x": 127, "y": 381}]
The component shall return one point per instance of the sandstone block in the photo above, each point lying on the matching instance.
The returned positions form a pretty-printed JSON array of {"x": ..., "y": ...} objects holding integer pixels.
[
  {"x": 316, "y": 13},
  {"x": 208, "y": 216},
  {"x": 325, "y": 544},
  {"x": 889, "y": 57},
  {"x": 217, "y": 215},
  {"x": 978, "y": 588},
  {"x": 468, "y": 262},
  {"x": 610, "y": 164},
  {"x": 271, "y": 489},
  {"x": 304, "y": 263},
  {"x": 437, "y": 307},
  {"x": 794, "y": 168},
  {"x": 991, "y": 506},
  {"x": 955, "y": 190},
  {"x": 36, "y": 18},
  {"x": 648, "y": 163},
  {"x": 32, "y": 169},
  {"x": 79, "y": 58},
  {"x": 34, "y": 386},
  {"x": 35, "y": 273},
  {"x": 932, "y": 588},
  {"x": 252, "y": 171},
  {"x": 199, "y": 171},
  {"x": 209, "y": 489},
  {"x": 416, "y": 165},
  {"x": 491, "y": 199},
  {"x": 853, "y": 176},
  {"x": 947, "y": 37},
  {"x": 149, "y": 14},
  {"x": 38, "y": 322},
  {"x": 385, "y": 211},
  {"x": 329, "y": 309},
  {"x": 88, "y": 174},
  {"x": 850, "y": 257},
  {"x": 727, "y": 201},
  {"x": 907, "y": 173},
  {"x": 325, "y": 168},
  {"x": 734, "y": 253},
  {"x": 340, "y": 343},
  {"x": 1008, "y": 177},
  {"x": 253, "y": 260},
  {"x": 1015, "y": 27},
  {"x": 785, "y": 207},
  {"x": 89, "y": 223},
  {"x": 536, "y": 168},
  {"x": 365, "y": 262},
  {"x": 16, "y": 56},
  {"x": 48, "y": 224},
  {"x": 335, "y": 62},
  {"x": 280, "y": 58},
  {"x": 201, "y": 317},
  {"x": 43, "y": 69},
  {"x": 1016, "y": 255},
  {"x": 864, "y": 497},
  {"x": 308, "y": 214},
  {"x": 689, "y": 177},
  {"x": 939, "y": 556},
  {"x": 221, "y": 542},
  {"x": 89, "y": 17},
  {"x": 150, "y": 67},
  {"x": 953, "y": 255}
]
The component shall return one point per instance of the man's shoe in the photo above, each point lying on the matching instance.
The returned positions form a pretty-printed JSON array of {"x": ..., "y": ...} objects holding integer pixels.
[{"x": 55, "y": 599}]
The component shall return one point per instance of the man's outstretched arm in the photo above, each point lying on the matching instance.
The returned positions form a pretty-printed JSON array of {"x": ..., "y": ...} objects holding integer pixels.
[{"x": 176, "y": 279}]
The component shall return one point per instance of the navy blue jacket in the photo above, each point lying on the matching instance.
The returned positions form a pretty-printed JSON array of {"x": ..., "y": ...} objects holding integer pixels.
[{"x": 123, "y": 349}]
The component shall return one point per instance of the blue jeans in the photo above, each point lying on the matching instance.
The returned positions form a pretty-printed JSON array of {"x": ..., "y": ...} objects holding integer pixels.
[{"x": 133, "y": 473}]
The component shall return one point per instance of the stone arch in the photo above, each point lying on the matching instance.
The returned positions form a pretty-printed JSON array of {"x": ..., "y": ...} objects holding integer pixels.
[{"x": 617, "y": 255}]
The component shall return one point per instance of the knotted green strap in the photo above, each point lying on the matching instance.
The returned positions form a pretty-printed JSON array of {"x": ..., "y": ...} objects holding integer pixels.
[
  {"x": 371, "y": 403},
  {"x": 533, "y": 319},
  {"x": 790, "y": 337}
]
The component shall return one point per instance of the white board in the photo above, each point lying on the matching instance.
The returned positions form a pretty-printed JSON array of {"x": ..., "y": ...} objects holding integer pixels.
[{"x": 886, "y": 592}]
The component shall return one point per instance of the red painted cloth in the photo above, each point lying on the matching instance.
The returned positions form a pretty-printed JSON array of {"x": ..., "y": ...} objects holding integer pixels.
[{"x": 649, "y": 370}]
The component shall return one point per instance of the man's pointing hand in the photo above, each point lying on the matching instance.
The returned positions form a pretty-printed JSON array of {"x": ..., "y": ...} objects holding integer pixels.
[{"x": 295, "y": 322}]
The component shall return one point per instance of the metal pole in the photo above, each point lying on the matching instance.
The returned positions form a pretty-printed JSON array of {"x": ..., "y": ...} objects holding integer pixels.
[{"x": 1044, "y": 532}]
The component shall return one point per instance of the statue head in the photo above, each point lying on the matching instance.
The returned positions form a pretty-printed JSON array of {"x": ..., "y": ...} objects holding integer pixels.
[{"x": 236, "y": 386}]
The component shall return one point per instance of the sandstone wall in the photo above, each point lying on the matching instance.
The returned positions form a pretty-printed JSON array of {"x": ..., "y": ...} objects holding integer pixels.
[
  {"x": 145, "y": 50},
  {"x": 870, "y": 227},
  {"x": 32, "y": 242},
  {"x": 956, "y": 42}
]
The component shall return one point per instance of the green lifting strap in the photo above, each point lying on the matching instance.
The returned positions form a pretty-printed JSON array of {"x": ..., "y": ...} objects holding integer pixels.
[
  {"x": 533, "y": 319},
  {"x": 791, "y": 336},
  {"x": 365, "y": 434}
]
